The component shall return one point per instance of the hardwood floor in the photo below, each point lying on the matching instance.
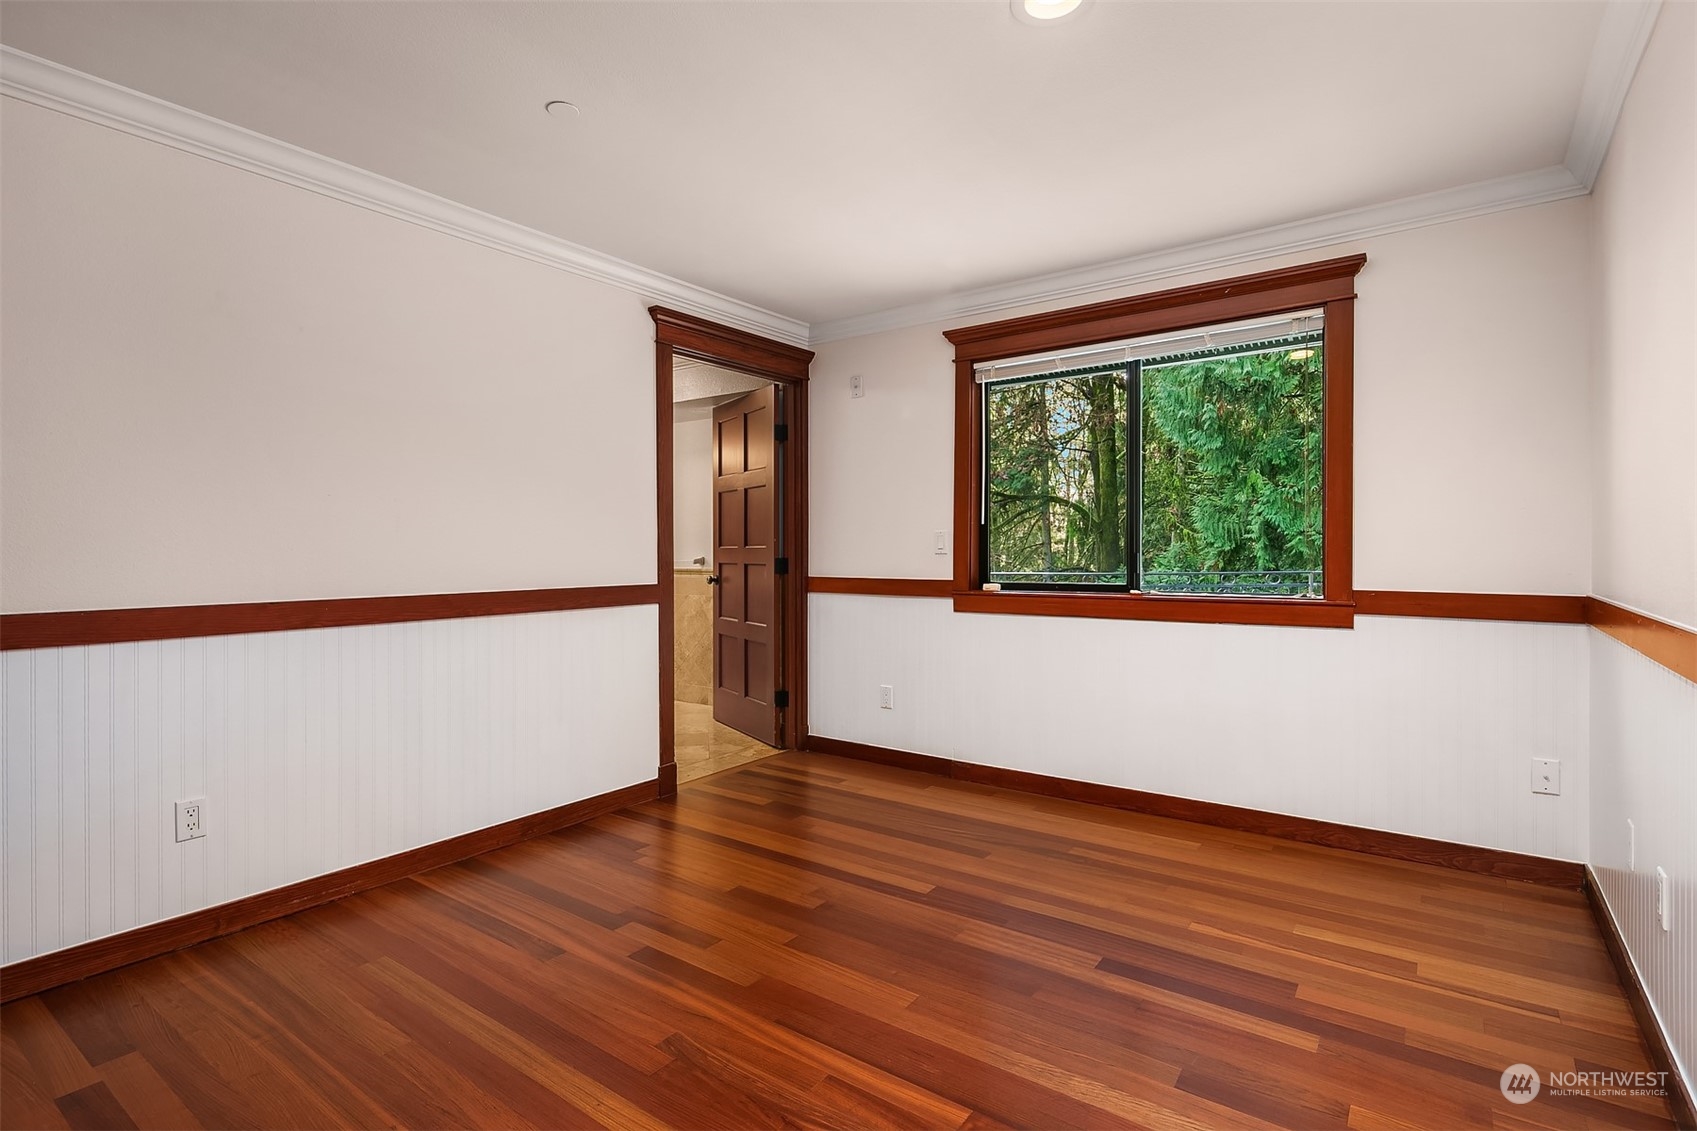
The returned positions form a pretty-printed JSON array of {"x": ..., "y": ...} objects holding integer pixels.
[
  {"x": 705, "y": 746},
  {"x": 813, "y": 942}
]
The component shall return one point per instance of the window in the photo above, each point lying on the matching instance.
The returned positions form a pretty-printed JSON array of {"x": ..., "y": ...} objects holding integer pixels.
[
  {"x": 1187, "y": 463},
  {"x": 1180, "y": 456}
]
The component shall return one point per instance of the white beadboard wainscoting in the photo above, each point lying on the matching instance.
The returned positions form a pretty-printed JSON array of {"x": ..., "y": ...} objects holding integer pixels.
[
  {"x": 1644, "y": 739},
  {"x": 1410, "y": 725},
  {"x": 315, "y": 750}
]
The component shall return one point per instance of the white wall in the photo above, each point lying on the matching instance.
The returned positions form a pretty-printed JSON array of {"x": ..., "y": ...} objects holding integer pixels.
[
  {"x": 315, "y": 750},
  {"x": 1412, "y": 725},
  {"x": 1644, "y": 717},
  {"x": 1644, "y": 420},
  {"x": 222, "y": 388},
  {"x": 1470, "y": 430},
  {"x": 692, "y": 489},
  {"x": 881, "y": 466},
  {"x": 1471, "y": 475},
  {"x": 1644, "y": 754}
]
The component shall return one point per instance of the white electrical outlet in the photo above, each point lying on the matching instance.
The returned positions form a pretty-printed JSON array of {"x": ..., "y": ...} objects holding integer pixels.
[
  {"x": 191, "y": 819},
  {"x": 940, "y": 542},
  {"x": 886, "y": 697},
  {"x": 1546, "y": 775},
  {"x": 856, "y": 388},
  {"x": 1662, "y": 900},
  {"x": 1631, "y": 845}
]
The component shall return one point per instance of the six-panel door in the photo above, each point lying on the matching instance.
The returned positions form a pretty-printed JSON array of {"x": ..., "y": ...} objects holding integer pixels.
[{"x": 745, "y": 509}]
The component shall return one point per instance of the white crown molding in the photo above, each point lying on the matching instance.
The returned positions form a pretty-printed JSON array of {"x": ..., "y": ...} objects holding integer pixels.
[
  {"x": 42, "y": 82},
  {"x": 1620, "y": 43},
  {"x": 1518, "y": 191},
  {"x": 1621, "y": 38}
]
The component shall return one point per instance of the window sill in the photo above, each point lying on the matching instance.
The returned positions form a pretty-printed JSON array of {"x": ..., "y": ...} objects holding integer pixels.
[{"x": 1144, "y": 606}]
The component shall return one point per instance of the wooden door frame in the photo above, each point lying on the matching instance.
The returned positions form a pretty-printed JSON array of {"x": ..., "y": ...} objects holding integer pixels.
[{"x": 684, "y": 335}]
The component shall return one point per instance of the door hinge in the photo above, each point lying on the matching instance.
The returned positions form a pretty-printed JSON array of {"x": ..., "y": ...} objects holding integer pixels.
[
  {"x": 780, "y": 699},
  {"x": 781, "y": 566},
  {"x": 780, "y": 432}
]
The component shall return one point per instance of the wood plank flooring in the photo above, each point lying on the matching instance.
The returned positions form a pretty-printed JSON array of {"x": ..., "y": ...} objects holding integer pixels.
[{"x": 813, "y": 942}]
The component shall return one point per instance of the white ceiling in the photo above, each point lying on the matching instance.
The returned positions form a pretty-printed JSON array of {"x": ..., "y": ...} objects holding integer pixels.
[
  {"x": 698, "y": 386},
  {"x": 824, "y": 160}
]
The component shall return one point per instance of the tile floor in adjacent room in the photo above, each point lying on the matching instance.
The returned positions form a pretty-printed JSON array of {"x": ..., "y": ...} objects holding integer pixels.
[{"x": 706, "y": 746}]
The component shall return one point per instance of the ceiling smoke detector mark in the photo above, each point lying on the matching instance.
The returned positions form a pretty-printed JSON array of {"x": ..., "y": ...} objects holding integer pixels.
[{"x": 559, "y": 108}]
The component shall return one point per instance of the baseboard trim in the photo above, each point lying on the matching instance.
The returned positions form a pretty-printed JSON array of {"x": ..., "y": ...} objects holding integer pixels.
[
  {"x": 1374, "y": 842},
  {"x": 33, "y": 975},
  {"x": 883, "y": 755},
  {"x": 1680, "y": 1091}
]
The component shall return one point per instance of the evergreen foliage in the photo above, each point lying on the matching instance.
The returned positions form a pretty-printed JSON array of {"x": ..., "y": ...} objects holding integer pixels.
[{"x": 1231, "y": 469}]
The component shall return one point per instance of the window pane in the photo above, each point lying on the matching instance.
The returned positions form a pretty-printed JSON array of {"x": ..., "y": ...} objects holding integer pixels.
[
  {"x": 1057, "y": 454},
  {"x": 1233, "y": 452}
]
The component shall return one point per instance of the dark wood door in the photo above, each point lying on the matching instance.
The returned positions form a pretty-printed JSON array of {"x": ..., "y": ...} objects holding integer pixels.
[{"x": 745, "y": 532}]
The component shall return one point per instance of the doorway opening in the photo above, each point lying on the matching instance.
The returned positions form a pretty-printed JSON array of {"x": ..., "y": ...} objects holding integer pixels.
[
  {"x": 731, "y": 434},
  {"x": 725, "y": 485}
]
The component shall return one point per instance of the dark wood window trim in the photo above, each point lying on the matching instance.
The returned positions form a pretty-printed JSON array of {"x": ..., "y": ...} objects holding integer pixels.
[
  {"x": 684, "y": 335},
  {"x": 1329, "y": 284}
]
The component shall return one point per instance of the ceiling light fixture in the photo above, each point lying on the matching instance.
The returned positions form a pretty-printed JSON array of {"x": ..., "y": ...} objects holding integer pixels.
[
  {"x": 1300, "y": 355},
  {"x": 560, "y": 108},
  {"x": 1044, "y": 11}
]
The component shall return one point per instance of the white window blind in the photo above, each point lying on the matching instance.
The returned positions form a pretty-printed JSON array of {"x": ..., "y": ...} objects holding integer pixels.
[{"x": 1266, "y": 331}]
